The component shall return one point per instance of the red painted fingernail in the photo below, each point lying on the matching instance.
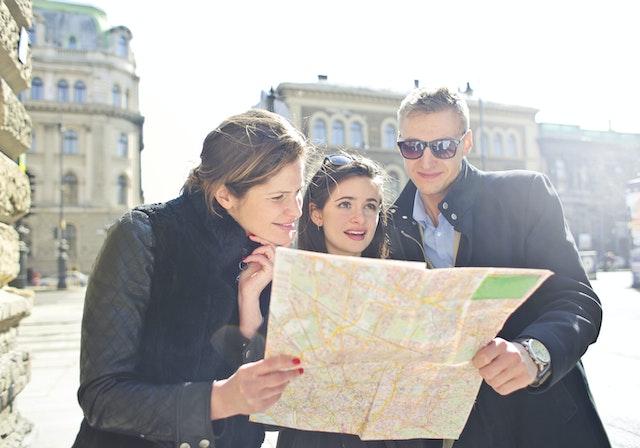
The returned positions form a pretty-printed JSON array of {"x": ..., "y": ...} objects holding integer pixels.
[
  {"x": 252, "y": 234},
  {"x": 301, "y": 370},
  {"x": 296, "y": 361}
]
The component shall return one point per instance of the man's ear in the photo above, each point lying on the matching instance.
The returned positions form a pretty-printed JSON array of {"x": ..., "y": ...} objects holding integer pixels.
[
  {"x": 224, "y": 197},
  {"x": 468, "y": 143},
  {"x": 315, "y": 214}
]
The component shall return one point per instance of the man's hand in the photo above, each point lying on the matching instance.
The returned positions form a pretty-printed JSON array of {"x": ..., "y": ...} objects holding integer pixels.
[{"x": 505, "y": 366}]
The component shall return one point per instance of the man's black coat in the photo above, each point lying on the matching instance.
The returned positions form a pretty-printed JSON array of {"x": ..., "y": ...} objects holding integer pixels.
[{"x": 515, "y": 219}]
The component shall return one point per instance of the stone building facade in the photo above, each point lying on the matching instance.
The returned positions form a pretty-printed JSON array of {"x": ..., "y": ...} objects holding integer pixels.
[
  {"x": 337, "y": 117},
  {"x": 15, "y": 201},
  {"x": 590, "y": 169},
  {"x": 85, "y": 150}
]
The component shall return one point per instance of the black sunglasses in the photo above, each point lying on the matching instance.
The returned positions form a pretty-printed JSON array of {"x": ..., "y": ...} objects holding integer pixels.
[
  {"x": 360, "y": 166},
  {"x": 337, "y": 160},
  {"x": 441, "y": 149}
]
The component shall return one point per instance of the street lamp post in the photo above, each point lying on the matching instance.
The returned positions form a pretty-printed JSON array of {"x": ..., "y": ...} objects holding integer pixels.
[
  {"x": 469, "y": 92},
  {"x": 271, "y": 100},
  {"x": 62, "y": 243}
]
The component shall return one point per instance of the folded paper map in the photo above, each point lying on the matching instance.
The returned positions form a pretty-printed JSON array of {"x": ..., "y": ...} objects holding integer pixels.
[{"x": 385, "y": 345}]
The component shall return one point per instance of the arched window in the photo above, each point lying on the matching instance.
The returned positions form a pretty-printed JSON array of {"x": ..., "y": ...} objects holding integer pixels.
[
  {"x": 36, "y": 89},
  {"x": 70, "y": 142},
  {"x": 356, "y": 135},
  {"x": 394, "y": 186},
  {"x": 337, "y": 133},
  {"x": 33, "y": 36},
  {"x": 122, "y": 190},
  {"x": 561, "y": 175},
  {"x": 63, "y": 91},
  {"x": 32, "y": 148},
  {"x": 497, "y": 147},
  {"x": 71, "y": 235},
  {"x": 319, "y": 131},
  {"x": 115, "y": 96},
  {"x": 123, "y": 146},
  {"x": 484, "y": 143},
  {"x": 584, "y": 179},
  {"x": 390, "y": 136},
  {"x": 33, "y": 181},
  {"x": 512, "y": 146},
  {"x": 79, "y": 92},
  {"x": 73, "y": 44},
  {"x": 122, "y": 47},
  {"x": 70, "y": 189},
  {"x": 26, "y": 235}
]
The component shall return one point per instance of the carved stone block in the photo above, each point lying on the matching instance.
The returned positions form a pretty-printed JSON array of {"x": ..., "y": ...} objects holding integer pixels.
[
  {"x": 15, "y": 197},
  {"x": 15, "y": 124}
]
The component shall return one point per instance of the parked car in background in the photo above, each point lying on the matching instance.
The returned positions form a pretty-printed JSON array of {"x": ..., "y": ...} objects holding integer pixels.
[{"x": 73, "y": 278}]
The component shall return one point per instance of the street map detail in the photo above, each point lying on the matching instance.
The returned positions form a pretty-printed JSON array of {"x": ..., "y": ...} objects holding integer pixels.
[{"x": 386, "y": 345}]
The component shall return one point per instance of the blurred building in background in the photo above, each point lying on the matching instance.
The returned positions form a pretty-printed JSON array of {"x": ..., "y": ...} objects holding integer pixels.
[
  {"x": 15, "y": 201},
  {"x": 590, "y": 169},
  {"x": 337, "y": 117},
  {"x": 84, "y": 155}
]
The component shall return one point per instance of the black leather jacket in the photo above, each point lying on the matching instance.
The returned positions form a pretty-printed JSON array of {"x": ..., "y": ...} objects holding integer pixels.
[{"x": 159, "y": 325}]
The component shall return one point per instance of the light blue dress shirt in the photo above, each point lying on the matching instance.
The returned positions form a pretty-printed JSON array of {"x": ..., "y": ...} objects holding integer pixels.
[{"x": 438, "y": 241}]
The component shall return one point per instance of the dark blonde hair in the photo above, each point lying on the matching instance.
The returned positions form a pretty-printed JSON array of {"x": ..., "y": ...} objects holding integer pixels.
[
  {"x": 245, "y": 150},
  {"x": 324, "y": 181},
  {"x": 424, "y": 100}
]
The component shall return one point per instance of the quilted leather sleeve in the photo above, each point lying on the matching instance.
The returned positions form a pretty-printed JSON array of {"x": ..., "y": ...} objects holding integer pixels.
[{"x": 111, "y": 395}]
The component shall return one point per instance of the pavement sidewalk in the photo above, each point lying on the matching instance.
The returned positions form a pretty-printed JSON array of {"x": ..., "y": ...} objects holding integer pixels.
[{"x": 51, "y": 334}]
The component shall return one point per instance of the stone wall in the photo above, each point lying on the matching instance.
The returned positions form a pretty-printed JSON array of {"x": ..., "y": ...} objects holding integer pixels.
[{"x": 15, "y": 201}]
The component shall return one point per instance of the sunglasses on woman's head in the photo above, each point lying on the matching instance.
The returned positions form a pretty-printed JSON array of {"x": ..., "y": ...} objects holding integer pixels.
[
  {"x": 337, "y": 160},
  {"x": 441, "y": 149}
]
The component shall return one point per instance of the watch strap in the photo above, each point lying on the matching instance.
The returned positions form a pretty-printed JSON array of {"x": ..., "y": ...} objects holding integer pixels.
[{"x": 544, "y": 368}]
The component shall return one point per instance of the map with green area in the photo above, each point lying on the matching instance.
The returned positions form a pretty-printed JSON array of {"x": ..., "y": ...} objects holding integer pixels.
[{"x": 386, "y": 345}]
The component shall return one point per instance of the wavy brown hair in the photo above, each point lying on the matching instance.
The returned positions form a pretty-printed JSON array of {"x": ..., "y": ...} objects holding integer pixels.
[
  {"x": 245, "y": 150},
  {"x": 324, "y": 181}
]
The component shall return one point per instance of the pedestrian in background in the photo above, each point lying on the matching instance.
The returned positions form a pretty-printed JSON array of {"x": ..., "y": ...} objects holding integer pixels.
[
  {"x": 176, "y": 307},
  {"x": 535, "y": 392}
]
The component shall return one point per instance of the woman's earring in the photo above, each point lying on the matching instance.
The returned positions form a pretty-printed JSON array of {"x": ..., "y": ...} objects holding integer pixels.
[{"x": 318, "y": 227}]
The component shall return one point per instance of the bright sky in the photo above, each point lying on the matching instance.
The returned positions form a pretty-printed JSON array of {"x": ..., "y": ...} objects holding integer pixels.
[{"x": 202, "y": 61}]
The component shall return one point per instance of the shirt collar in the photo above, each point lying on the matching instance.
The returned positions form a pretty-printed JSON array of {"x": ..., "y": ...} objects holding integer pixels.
[{"x": 420, "y": 213}]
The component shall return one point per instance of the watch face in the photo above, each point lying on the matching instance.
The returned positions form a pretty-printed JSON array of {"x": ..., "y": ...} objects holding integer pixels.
[{"x": 539, "y": 351}]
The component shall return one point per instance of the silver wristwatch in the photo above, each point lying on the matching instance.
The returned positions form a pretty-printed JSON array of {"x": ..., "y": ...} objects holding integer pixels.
[{"x": 540, "y": 356}]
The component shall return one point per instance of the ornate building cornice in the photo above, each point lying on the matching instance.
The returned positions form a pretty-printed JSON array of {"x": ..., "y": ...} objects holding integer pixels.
[
  {"x": 335, "y": 92},
  {"x": 84, "y": 109}
]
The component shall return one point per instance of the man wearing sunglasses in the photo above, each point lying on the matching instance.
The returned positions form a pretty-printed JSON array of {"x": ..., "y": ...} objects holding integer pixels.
[{"x": 535, "y": 393}]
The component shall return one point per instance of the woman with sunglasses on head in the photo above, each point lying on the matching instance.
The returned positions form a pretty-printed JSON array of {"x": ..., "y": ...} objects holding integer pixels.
[
  {"x": 176, "y": 306},
  {"x": 343, "y": 213}
]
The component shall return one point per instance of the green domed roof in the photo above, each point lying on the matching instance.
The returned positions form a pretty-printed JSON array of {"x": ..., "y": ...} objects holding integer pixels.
[{"x": 98, "y": 15}]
